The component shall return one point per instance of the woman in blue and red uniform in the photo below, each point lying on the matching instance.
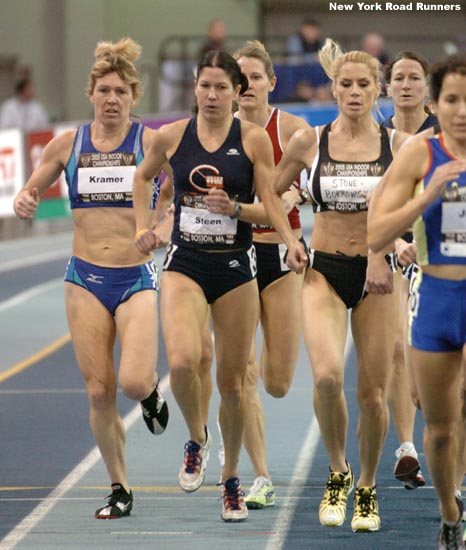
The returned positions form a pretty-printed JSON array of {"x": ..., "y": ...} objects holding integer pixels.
[
  {"x": 110, "y": 286},
  {"x": 426, "y": 186},
  {"x": 218, "y": 162},
  {"x": 345, "y": 161}
]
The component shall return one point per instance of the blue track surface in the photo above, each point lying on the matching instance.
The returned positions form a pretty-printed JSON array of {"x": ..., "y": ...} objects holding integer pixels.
[{"x": 51, "y": 479}]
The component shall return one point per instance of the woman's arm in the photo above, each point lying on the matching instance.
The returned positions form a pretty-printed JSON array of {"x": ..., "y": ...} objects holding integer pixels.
[
  {"x": 51, "y": 165},
  {"x": 393, "y": 207},
  {"x": 151, "y": 165}
]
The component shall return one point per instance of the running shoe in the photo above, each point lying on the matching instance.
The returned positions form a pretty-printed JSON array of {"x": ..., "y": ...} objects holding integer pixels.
[
  {"x": 155, "y": 412},
  {"x": 366, "y": 510},
  {"x": 234, "y": 508},
  {"x": 119, "y": 504},
  {"x": 192, "y": 473},
  {"x": 332, "y": 509},
  {"x": 451, "y": 537},
  {"x": 407, "y": 468},
  {"x": 261, "y": 494}
]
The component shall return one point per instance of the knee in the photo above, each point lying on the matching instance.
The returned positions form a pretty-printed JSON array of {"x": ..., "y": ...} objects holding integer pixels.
[
  {"x": 372, "y": 401},
  {"x": 183, "y": 369},
  {"x": 441, "y": 435},
  {"x": 276, "y": 387},
  {"x": 101, "y": 396},
  {"x": 328, "y": 384},
  {"x": 137, "y": 390},
  {"x": 231, "y": 392}
]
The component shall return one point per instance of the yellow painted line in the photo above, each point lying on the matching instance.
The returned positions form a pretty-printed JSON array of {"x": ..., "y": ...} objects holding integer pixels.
[{"x": 45, "y": 352}]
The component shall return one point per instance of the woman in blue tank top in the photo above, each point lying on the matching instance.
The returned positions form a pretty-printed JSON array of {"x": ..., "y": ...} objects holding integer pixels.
[
  {"x": 110, "y": 286},
  {"x": 218, "y": 162},
  {"x": 427, "y": 186}
]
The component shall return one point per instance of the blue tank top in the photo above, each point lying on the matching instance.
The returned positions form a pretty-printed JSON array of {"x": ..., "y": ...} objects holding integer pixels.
[
  {"x": 337, "y": 185},
  {"x": 440, "y": 232},
  {"x": 195, "y": 171},
  {"x": 97, "y": 179},
  {"x": 429, "y": 122}
]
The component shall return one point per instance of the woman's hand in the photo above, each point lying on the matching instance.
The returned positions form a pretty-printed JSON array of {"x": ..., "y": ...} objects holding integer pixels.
[
  {"x": 379, "y": 276},
  {"x": 218, "y": 202},
  {"x": 145, "y": 241},
  {"x": 26, "y": 203}
]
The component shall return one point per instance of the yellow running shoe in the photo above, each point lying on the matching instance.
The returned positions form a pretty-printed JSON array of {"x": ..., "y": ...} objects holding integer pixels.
[
  {"x": 332, "y": 509},
  {"x": 366, "y": 510}
]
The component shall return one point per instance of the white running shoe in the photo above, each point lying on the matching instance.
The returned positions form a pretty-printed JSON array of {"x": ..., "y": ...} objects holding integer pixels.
[
  {"x": 407, "y": 468},
  {"x": 192, "y": 473},
  {"x": 234, "y": 508}
]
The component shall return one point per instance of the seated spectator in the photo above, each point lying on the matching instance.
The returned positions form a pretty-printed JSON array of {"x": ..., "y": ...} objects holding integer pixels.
[
  {"x": 307, "y": 40},
  {"x": 23, "y": 110},
  {"x": 373, "y": 43},
  {"x": 216, "y": 37}
]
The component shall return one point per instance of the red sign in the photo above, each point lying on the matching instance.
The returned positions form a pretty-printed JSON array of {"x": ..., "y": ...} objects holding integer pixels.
[{"x": 35, "y": 143}]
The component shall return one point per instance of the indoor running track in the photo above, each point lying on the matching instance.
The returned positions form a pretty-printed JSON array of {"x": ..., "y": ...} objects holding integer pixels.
[{"x": 52, "y": 479}]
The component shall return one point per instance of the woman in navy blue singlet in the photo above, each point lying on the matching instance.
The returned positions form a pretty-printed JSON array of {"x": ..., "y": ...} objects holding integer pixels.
[
  {"x": 110, "y": 287},
  {"x": 426, "y": 186},
  {"x": 218, "y": 163},
  {"x": 406, "y": 81},
  {"x": 406, "y": 77},
  {"x": 345, "y": 161}
]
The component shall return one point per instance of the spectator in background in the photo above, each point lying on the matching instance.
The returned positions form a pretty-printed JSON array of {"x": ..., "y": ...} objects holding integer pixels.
[
  {"x": 373, "y": 43},
  {"x": 23, "y": 110},
  {"x": 216, "y": 37},
  {"x": 307, "y": 40}
]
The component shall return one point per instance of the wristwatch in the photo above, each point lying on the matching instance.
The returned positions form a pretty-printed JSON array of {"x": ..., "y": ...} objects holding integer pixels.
[
  {"x": 237, "y": 212},
  {"x": 305, "y": 196}
]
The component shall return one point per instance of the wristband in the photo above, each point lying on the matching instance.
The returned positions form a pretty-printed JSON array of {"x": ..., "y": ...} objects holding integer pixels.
[
  {"x": 140, "y": 233},
  {"x": 237, "y": 212}
]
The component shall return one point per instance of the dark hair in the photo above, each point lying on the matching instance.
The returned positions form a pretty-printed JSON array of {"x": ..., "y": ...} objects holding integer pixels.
[
  {"x": 454, "y": 64},
  {"x": 414, "y": 56},
  {"x": 225, "y": 61},
  {"x": 22, "y": 84}
]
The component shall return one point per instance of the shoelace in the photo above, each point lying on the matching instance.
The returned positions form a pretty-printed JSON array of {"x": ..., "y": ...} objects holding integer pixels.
[
  {"x": 366, "y": 504},
  {"x": 334, "y": 487},
  {"x": 257, "y": 486},
  {"x": 192, "y": 458},
  {"x": 119, "y": 495},
  {"x": 232, "y": 497}
]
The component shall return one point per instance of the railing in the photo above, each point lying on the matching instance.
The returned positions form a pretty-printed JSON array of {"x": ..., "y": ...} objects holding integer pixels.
[{"x": 178, "y": 56}]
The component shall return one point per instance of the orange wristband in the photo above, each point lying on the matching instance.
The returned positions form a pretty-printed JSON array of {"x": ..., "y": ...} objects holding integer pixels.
[{"x": 139, "y": 233}]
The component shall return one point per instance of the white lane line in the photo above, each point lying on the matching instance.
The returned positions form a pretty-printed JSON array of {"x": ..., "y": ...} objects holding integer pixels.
[
  {"x": 30, "y": 293},
  {"x": 41, "y": 510},
  {"x": 301, "y": 473},
  {"x": 35, "y": 259}
]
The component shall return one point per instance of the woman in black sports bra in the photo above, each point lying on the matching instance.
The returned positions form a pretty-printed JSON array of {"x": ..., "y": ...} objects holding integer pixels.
[{"x": 345, "y": 161}]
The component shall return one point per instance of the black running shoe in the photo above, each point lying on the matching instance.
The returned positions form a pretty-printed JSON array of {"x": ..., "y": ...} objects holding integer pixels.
[
  {"x": 451, "y": 537},
  {"x": 119, "y": 504},
  {"x": 155, "y": 412}
]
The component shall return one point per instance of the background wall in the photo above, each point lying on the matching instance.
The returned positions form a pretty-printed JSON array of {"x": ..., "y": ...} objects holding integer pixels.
[{"x": 58, "y": 38}]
